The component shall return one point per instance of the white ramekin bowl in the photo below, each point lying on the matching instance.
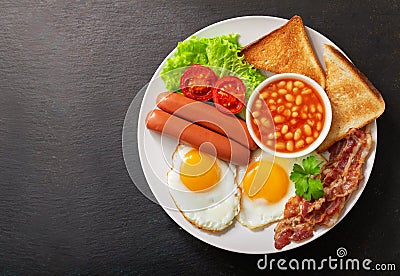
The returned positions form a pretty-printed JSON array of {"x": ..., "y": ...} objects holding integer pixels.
[{"x": 327, "y": 108}]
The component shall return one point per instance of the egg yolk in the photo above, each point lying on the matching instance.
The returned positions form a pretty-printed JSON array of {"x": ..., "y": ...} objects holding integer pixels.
[
  {"x": 199, "y": 171},
  {"x": 274, "y": 181}
]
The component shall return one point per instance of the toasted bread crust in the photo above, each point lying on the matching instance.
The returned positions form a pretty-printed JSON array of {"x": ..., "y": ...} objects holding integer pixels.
[
  {"x": 286, "y": 50},
  {"x": 354, "y": 99},
  {"x": 362, "y": 77}
]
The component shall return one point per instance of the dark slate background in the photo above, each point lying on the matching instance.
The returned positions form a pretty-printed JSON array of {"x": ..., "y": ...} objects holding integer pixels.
[{"x": 68, "y": 72}]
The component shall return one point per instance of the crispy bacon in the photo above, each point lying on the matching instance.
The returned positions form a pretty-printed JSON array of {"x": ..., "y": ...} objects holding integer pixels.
[{"x": 340, "y": 178}]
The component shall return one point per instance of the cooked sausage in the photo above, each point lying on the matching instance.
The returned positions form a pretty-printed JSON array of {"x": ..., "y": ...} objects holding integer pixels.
[
  {"x": 207, "y": 116},
  {"x": 198, "y": 137}
]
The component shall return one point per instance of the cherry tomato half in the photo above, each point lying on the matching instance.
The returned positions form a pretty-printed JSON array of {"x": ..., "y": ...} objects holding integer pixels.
[
  {"x": 197, "y": 82},
  {"x": 229, "y": 94}
]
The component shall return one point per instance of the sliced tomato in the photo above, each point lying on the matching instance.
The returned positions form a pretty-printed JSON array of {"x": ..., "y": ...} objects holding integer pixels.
[
  {"x": 197, "y": 82},
  {"x": 229, "y": 94}
]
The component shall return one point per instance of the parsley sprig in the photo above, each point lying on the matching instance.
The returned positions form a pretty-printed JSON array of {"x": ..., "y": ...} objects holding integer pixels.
[{"x": 304, "y": 179}]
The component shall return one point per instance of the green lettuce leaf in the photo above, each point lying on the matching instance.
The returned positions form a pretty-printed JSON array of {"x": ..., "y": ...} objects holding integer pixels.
[{"x": 220, "y": 53}]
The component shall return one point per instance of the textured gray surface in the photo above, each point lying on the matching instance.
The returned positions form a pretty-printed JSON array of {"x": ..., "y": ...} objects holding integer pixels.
[{"x": 68, "y": 72}]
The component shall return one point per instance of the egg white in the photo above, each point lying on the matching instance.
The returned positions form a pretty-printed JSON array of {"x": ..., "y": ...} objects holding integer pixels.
[
  {"x": 259, "y": 213},
  {"x": 213, "y": 209}
]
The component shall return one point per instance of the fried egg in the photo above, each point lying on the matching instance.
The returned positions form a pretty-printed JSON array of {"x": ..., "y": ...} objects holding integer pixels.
[
  {"x": 272, "y": 173},
  {"x": 203, "y": 188}
]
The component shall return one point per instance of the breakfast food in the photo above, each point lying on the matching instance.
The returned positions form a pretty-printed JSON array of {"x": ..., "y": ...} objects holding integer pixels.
[
  {"x": 286, "y": 50},
  {"x": 202, "y": 84},
  {"x": 219, "y": 52},
  {"x": 272, "y": 175},
  {"x": 203, "y": 189},
  {"x": 206, "y": 116},
  {"x": 293, "y": 196},
  {"x": 197, "y": 136},
  {"x": 197, "y": 82},
  {"x": 340, "y": 178},
  {"x": 229, "y": 94},
  {"x": 297, "y": 111},
  {"x": 355, "y": 101}
]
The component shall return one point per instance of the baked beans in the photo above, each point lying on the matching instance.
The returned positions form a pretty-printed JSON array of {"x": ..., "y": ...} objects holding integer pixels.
[{"x": 297, "y": 112}]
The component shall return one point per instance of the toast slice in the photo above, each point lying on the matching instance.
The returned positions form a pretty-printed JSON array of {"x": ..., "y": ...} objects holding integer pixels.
[
  {"x": 286, "y": 50},
  {"x": 354, "y": 99}
]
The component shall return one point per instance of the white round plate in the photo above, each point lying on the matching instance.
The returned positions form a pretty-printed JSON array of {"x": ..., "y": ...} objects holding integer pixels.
[{"x": 155, "y": 160}]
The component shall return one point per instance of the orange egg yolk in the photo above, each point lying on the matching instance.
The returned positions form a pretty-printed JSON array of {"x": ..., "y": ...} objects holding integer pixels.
[
  {"x": 273, "y": 178},
  {"x": 199, "y": 171}
]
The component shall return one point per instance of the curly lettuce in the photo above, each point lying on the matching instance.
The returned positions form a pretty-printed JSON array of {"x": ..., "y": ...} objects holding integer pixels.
[{"x": 220, "y": 53}]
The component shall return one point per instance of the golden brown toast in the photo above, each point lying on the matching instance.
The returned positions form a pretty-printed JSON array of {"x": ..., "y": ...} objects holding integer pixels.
[
  {"x": 354, "y": 99},
  {"x": 286, "y": 50}
]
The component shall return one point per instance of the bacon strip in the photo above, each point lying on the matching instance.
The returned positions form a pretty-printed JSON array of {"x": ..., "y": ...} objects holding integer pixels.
[{"x": 340, "y": 178}]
